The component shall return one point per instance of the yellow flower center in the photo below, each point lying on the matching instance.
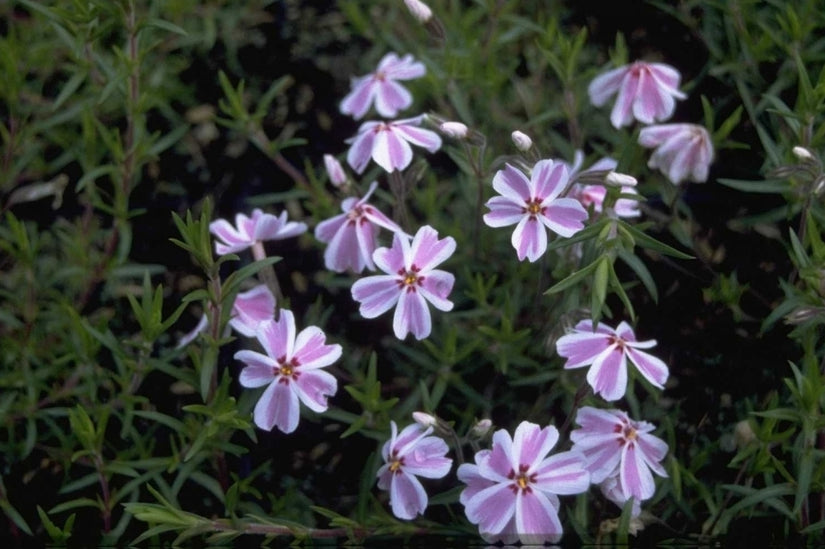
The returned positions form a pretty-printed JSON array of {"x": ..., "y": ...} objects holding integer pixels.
[{"x": 395, "y": 465}]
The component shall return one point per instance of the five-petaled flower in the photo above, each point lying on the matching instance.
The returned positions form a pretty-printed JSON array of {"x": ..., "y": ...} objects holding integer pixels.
[
  {"x": 646, "y": 92},
  {"x": 382, "y": 88},
  {"x": 615, "y": 445},
  {"x": 291, "y": 370},
  {"x": 407, "y": 455},
  {"x": 606, "y": 351},
  {"x": 512, "y": 490},
  {"x": 351, "y": 235},
  {"x": 683, "y": 151},
  {"x": 533, "y": 204},
  {"x": 411, "y": 281},
  {"x": 388, "y": 143},
  {"x": 249, "y": 231}
]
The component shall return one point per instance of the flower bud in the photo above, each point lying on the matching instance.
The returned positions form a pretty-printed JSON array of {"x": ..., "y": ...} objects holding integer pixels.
[
  {"x": 424, "y": 419},
  {"x": 456, "y": 130},
  {"x": 802, "y": 153},
  {"x": 743, "y": 433},
  {"x": 335, "y": 171},
  {"x": 522, "y": 141},
  {"x": 481, "y": 428},
  {"x": 419, "y": 10},
  {"x": 620, "y": 179}
]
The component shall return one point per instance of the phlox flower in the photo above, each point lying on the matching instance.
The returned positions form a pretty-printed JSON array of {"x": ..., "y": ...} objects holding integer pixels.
[
  {"x": 595, "y": 194},
  {"x": 411, "y": 281},
  {"x": 290, "y": 370},
  {"x": 382, "y": 88},
  {"x": 613, "y": 446},
  {"x": 251, "y": 308},
  {"x": 388, "y": 143},
  {"x": 533, "y": 204},
  {"x": 646, "y": 92},
  {"x": 512, "y": 490},
  {"x": 683, "y": 151},
  {"x": 408, "y": 455},
  {"x": 351, "y": 235},
  {"x": 606, "y": 351},
  {"x": 251, "y": 230}
]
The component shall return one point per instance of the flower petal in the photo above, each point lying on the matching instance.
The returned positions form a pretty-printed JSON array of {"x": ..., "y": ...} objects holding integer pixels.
[
  {"x": 491, "y": 508},
  {"x": 411, "y": 315},
  {"x": 608, "y": 374},
  {"x": 537, "y": 520},
  {"x": 377, "y": 294},
  {"x": 407, "y": 496},
  {"x": 428, "y": 251},
  {"x": 529, "y": 239},
  {"x": 503, "y": 212},
  {"x": 564, "y": 216},
  {"x": 531, "y": 443},
  {"x": 313, "y": 387},
  {"x": 311, "y": 350},
  {"x": 390, "y": 151},
  {"x": 259, "y": 369},
  {"x": 513, "y": 184},
  {"x": 435, "y": 288},
  {"x": 277, "y": 407},
  {"x": 653, "y": 369},
  {"x": 278, "y": 336}
]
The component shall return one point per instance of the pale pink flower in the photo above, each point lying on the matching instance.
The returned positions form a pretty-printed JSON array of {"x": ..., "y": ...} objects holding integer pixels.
[
  {"x": 611, "y": 488},
  {"x": 595, "y": 194},
  {"x": 646, "y": 92},
  {"x": 408, "y": 455},
  {"x": 250, "y": 230},
  {"x": 335, "y": 171},
  {"x": 512, "y": 490},
  {"x": 351, "y": 235},
  {"x": 382, "y": 87},
  {"x": 290, "y": 370},
  {"x": 606, "y": 351},
  {"x": 533, "y": 204},
  {"x": 683, "y": 151},
  {"x": 411, "y": 281},
  {"x": 419, "y": 10},
  {"x": 388, "y": 143},
  {"x": 615, "y": 445},
  {"x": 251, "y": 308}
]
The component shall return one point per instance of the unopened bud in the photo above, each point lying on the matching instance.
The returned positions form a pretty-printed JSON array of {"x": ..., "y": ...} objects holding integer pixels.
[
  {"x": 481, "y": 428},
  {"x": 620, "y": 179},
  {"x": 456, "y": 130},
  {"x": 522, "y": 141},
  {"x": 802, "y": 153},
  {"x": 424, "y": 419},
  {"x": 335, "y": 171},
  {"x": 743, "y": 433},
  {"x": 419, "y": 10}
]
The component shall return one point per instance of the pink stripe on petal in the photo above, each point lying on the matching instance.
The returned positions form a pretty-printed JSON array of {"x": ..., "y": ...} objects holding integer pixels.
[
  {"x": 491, "y": 508},
  {"x": 278, "y": 406},
  {"x": 653, "y": 369},
  {"x": 653, "y": 450},
  {"x": 360, "y": 152},
  {"x": 634, "y": 475},
  {"x": 428, "y": 251},
  {"x": 390, "y": 151},
  {"x": 419, "y": 137},
  {"x": 469, "y": 475},
  {"x": 278, "y": 336},
  {"x": 326, "y": 230},
  {"x": 391, "y": 260},
  {"x": 605, "y": 85},
  {"x": 343, "y": 251},
  {"x": 411, "y": 315},
  {"x": 436, "y": 287},
  {"x": 503, "y": 212},
  {"x": 537, "y": 519},
  {"x": 565, "y": 217},
  {"x": 311, "y": 350},
  {"x": 391, "y": 97},
  {"x": 608, "y": 374},
  {"x": 377, "y": 294},
  {"x": 407, "y": 497},
  {"x": 259, "y": 369},
  {"x": 226, "y": 232},
  {"x": 502, "y": 459},
  {"x": 428, "y": 460},
  {"x": 513, "y": 184},
  {"x": 531, "y": 443},
  {"x": 548, "y": 179},
  {"x": 529, "y": 239},
  {"x": 313, "y": 387},
  {"x": 365, "y": 236},
  {"x": 357, "y": 102},
  {"x": 563, "y": 473}
]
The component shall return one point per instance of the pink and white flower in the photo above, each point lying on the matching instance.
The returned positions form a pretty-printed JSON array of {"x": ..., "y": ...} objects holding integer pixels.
[
  {"x": 614, "y": 445},
  {"x": 512, "y": 490},
  {"x": 251, "y": 230},
  {"x": 251, "y": 308},
  {"x": 408, "y": 455},
  {"x": 646, "y": 92},
  {"x": 388, "y": 143},
  {"x": 335, "y": 171},
  {"x": 411, "y": 281},
  {"x": 290, "y": 370},
  {"x": 533, "y": 204},
  {"x": 351, "y": 235},
  {"x": 683, "y": 151},
  {"x": 595, "y": 194},
  {"x": 382, "y": 88},
  {"x": 606, "y": 351}
]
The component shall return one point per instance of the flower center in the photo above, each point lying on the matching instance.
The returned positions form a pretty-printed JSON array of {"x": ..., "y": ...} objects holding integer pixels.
[
  {"x": 533, "y": 207},
  {"x": 627, "y": 433},
  {"x": 286, "y": 370},
  {"x": 395, "y": 465},
  {"x": 521, "y": 480},
  {"x": 410, "y": 279}
]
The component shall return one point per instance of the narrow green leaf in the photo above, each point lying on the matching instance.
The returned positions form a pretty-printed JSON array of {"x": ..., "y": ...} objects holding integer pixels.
[{"x": 573, "y": 279}]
